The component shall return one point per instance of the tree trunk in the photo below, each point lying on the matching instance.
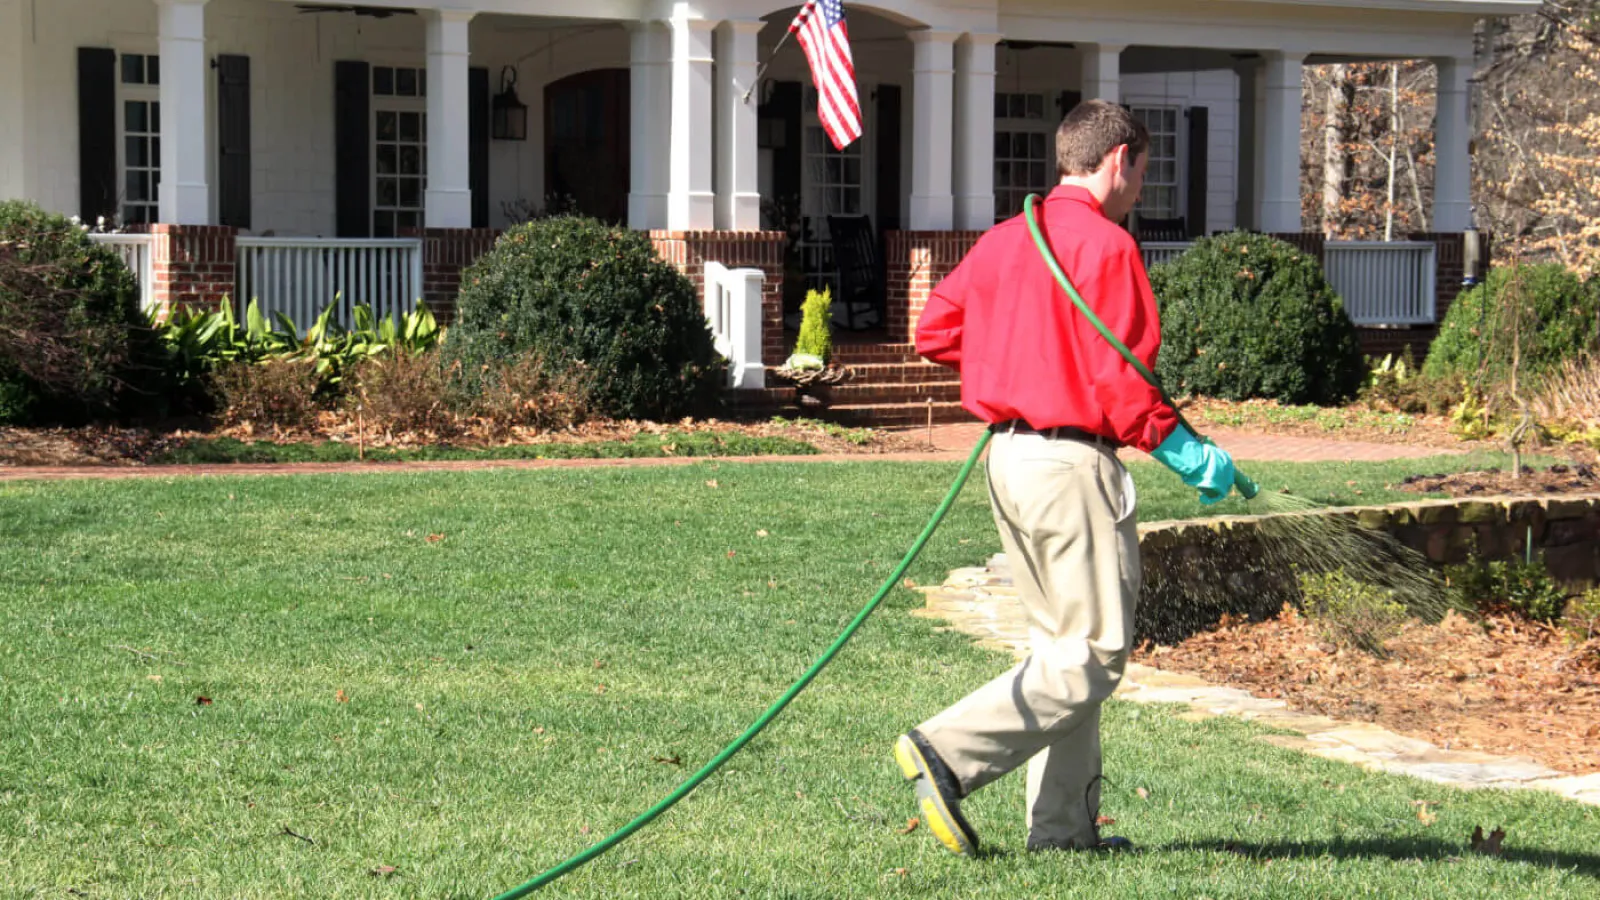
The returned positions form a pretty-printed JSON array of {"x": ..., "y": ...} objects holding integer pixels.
[{"x": 1336, "y": 157}]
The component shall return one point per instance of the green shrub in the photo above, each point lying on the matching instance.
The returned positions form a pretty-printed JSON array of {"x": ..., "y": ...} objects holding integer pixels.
[
  {"x": 1249, "y": 316},
  {"x": 74, "y": 344},
  {"x": 596, "y": 302},
  {"x": 816, "y": 321},
  {"x": 1560, "y": 312},
  {"x": 1522, "y": 587},
  {"x": 1350, "y": 612},
  {"x": 1581, "y": 620}
]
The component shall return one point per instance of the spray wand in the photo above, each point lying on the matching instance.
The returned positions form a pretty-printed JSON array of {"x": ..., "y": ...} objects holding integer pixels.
[{"x": 1247, "y": 487}]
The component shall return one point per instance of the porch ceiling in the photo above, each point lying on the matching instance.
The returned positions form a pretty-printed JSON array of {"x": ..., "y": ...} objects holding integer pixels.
[{"x": 589, "y": 10}]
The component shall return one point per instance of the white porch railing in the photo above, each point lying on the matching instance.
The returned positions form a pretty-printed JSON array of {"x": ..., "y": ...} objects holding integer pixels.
[
  {"x": 135, "y": 250},
  {"x": 1163, "y": 251},
  {"x": 1384, "y": 282},
  {"x": 733, "y": 309},
  {"x": 299, "y": 277}
]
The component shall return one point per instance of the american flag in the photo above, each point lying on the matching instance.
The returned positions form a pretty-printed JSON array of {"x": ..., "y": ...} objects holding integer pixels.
[{"x": 821, "y": 30}]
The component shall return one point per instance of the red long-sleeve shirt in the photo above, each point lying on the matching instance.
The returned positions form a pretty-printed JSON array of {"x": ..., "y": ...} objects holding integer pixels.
[{"x": 1024, "y": 350}]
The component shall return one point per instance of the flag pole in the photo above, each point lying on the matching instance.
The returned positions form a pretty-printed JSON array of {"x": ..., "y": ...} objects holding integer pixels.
[{"x": 763, "y": 70}]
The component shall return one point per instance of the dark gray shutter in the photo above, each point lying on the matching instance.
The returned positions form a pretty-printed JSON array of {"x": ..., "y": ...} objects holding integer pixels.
[
  {"x": 888, "y": 121},
  {"x": 478, "y": 144},
  {"x": 1198, "y": 173},
  {"x": 352, "y": 148},
  {"x": 97, "y": 133},
  {"x": 783, "y": 107},
  {"x": 233, "y": 140}
]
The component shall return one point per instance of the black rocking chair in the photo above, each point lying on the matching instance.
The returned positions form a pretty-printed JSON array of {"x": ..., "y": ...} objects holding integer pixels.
[
  {"x": 859, "y": 271},
  {"x": 1175, "y": 229}
]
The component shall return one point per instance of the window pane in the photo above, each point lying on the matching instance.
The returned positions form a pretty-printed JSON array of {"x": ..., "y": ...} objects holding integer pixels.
[
  {"x": 135, "y": 152},
  {"x": 383, "y": 224},
  {"x": 136, "y": 116},
  {"x": 410, "y": 127},
  {"x": 1035, "y": 106},
  {"x": 407, "y": 220},
  {"x": 132, "y": 68},
  {"x": 138, "y": 186},
  {"x": 410, "y": 161},
  {"x": 852, "y": 171},
  {"x": 410, "y": 192},
  {"x": 1036, "y": 146},
  {"x": 382, "y": 81},
  {"x": 1002, "y": 144},
  {"x": 152, "y": 70},
  {"x": 1017, "y": 104},
  {"x": 155, "y": 151},
  {"x": 1036, "y": 176},
  {"x": 155, "y": 185},
  {"x": 1019, "y": 145},
  {"x": 388, "y": 125},
  {"x": 405, "y": 82},
  {"x": 388, "y": 159},
  {"x": 999, "y": 106},
  {"x": 388, "y": 192},
  {"x": 155, "y": 116}
]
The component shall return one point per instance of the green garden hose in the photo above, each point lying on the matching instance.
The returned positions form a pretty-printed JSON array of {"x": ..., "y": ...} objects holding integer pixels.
[
  {"x": 772, "y": 711},
  {"x": 1246, "y": 486}
]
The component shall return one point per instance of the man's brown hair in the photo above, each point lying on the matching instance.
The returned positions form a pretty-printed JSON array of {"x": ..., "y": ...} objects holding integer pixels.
[{"x": 1091, "y": 130}]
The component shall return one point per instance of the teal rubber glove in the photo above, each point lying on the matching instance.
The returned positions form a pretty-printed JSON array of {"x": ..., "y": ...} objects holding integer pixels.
[{"x": 1205, "y": 467}]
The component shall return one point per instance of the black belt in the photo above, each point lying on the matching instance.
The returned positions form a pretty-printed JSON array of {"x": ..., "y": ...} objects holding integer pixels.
[{"x": 1060, "y": 432}]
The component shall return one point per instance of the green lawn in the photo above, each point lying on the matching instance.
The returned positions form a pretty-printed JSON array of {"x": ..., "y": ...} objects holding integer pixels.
[{"x": 470, "y": 676}]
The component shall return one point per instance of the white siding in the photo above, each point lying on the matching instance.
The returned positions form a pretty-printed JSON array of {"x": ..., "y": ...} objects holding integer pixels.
[{"x": 14, "y": 28}]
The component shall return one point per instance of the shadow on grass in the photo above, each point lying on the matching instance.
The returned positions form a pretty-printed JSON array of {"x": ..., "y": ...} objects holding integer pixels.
[{"x": 1398, "y": 849}]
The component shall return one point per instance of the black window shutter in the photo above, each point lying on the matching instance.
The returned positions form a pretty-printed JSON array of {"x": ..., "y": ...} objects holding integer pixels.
[
  {"x": 97, "y": 133},
  {"x": 888, "y": 117},
  {"x": 783, "y": 106},
  {"x": 352, "y": 148},
  {"x": 1198, "y": 174},
  {"x": 233, "y": 140},
  {"x": 478, "y": 149}
]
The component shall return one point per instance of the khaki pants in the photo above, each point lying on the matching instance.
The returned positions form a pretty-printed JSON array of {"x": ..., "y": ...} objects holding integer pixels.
[{"x": 1065, "y": 511}]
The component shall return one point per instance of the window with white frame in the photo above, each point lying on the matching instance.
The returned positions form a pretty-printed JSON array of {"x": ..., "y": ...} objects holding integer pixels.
[
  {"x": 139, "y": 126},
  {"x": 834, "y": 183},
  {"x": 1024, "y": 158},
  {"x": 399, "y": 148},
  {"x": 1159, "y": 199}
]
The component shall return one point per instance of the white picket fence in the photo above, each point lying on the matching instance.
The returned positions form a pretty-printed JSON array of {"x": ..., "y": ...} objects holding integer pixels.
[
  {"x": 299, "y": 277},
  {"x": 733, "y": 310},
  {"x": 135, "y": 250},
  {"x": 1384, "y": 282}
]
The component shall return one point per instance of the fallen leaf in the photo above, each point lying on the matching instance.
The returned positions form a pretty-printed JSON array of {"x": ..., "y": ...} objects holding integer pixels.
[
  {"x": 539, "y": 730},
  {"x": 731, "y": 553},
  {"x": 599, "y": 664},
  {"x": 673, "y": 760},
  {"x": 712, "y": 484},
  {"x": 382, "y": 871},
  {"x": 1143, "y": 794},
  {"x": 902, "y": 872},
  {"x": 435, "y": 538},
  {"x": 341, "y": 696},
  {"x": 911, "y": 825},
  {"x": 772, "y": 584},
  {"x": 155, "y": 678},
  {"x": 1425, "y": 815},
  {"x": 761, "y": 533},
  {"x": 202, "y": 701},
  {"x": 1104, "y": 820},
  {"x": 1489, "y": 846},
  {"x": 668, "y": 448},
  {"x": 583, "y": 830},
  {"x": 600, "y": 689}
]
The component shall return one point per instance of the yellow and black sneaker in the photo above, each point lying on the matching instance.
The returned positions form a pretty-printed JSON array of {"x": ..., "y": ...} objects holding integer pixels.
[{"x": 938, "y": 793}]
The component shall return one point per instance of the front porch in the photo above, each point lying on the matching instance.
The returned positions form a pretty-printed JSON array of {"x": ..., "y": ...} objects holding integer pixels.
[{"x": 387, "y": 153}]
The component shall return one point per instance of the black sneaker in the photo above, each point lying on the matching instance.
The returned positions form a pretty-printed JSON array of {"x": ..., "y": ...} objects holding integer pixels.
[{"x": 938, "y": 793}]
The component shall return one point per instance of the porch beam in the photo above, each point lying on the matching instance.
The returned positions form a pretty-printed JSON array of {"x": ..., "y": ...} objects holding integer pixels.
[
  {"x": 974, "y": 164},
  {"x": 1102, "y": 72},
  {"x": 691, "y": 199},
  {"x": 650, "y": 102},
  {"x": 1280, "y": 150},
  {"x": 1452, "y": 185},
  {"x": 184, "y": 197},
  {"x": 737, "y": 177},
  {"x": 448, "y": 200},
  {"x": 932, "y": 129}
]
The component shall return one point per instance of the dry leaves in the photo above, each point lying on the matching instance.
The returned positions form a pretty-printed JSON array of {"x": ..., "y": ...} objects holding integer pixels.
[
  {"x": 673, "y": 760},
  {"x": 341, "y": 696},
  {"x": 911, "y": 825},
  {"x": 434, "y": 538},
  {"x": 202, "y": 700},
  {"x": 1424, "y": 815},
  {"x": 382, "y": 871}
]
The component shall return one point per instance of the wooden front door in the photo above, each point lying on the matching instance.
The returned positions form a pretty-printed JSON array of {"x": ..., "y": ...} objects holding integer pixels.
[{"x": 586, "y": 144}]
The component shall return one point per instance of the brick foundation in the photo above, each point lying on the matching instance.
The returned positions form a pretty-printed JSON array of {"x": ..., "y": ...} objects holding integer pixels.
[
  {"x": 1450, "y": 269},
  {"x": 445, "y": 253},
  {"x": 915, "y": 262},
  {"x": 191, "y": 266},
  {"x": 691, "y": 250}
]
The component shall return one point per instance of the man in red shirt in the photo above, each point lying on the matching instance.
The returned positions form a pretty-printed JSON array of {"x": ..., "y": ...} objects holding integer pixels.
[{"x": 1060, "y": 401}]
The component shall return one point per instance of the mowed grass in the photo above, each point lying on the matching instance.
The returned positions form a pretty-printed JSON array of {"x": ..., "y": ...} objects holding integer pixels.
[{"x": 439, "y": 685}]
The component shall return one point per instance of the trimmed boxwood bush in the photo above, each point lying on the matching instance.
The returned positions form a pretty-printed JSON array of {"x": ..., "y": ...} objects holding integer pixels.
[
  {"x": 74, "y": 344},
  {"x": 1250, "y": 316},
  {"x": 1560, "y": 317},
  {"x": 596, "y": 303}
]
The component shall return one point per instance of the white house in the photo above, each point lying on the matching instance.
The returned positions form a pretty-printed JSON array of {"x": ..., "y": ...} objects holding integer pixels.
[{"x": 293, "y": 127}]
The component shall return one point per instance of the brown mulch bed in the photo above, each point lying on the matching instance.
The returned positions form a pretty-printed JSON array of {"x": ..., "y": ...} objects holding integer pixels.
[
  {"x": 1504, "y": 686},
  {"x": 1582, "y": 475}
]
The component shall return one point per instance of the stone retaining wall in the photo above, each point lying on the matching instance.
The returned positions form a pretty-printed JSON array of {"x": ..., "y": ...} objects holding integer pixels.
[{"x": 1195, "y": 571}]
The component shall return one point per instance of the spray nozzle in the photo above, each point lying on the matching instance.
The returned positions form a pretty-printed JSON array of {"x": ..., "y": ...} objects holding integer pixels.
[{"x": 1248, "y": 488}]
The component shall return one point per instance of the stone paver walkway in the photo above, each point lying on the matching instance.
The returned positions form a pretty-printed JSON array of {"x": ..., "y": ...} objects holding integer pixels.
[{"x": 982, "y": 602}]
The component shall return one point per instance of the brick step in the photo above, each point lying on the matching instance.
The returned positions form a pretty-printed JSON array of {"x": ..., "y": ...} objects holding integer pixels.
[
  {"x": 858, "y": 415},
  {"x": 866, "y": 354},
  {"x": 899, "y": 373},
  {"x": 852, "y": 392}
]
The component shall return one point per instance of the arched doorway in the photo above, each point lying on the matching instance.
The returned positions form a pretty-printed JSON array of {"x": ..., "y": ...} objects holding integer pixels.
[{"x": 586, "y": 144}]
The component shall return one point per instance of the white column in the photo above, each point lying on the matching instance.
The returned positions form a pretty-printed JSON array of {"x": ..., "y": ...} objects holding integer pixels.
[
  {"x": 1102, "y": 72},
  {"x": 1280, "y": 151},
  {"x": 974, "y": 163},
  {"x": 1452, "y": 174},
  {"x": 738, "y": 181},
  {"x": 448, "y": 201},
  {"x": 14, "y": 26},
  {"x": 1248, "y": 174},
  {"x": 932, "y": 130},
  {"x": 691, "y": 199},
  {"x": 185, "y": 197},
  {"x": 650, "y": 102}
]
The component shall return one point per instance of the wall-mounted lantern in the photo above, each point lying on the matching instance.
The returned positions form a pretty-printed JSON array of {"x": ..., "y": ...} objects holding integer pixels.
[{"x": 510, "y": 114}]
